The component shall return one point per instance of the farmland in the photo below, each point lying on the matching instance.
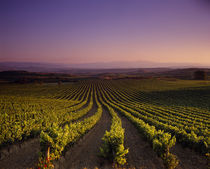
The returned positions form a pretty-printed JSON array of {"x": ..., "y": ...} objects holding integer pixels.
[{"x": 147, "y": 123}]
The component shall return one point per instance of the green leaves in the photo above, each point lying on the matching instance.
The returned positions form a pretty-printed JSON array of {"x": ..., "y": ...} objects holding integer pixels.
[
  {"x": 113, "y": 140},
  {"x": 58, "y": 137},
  {"x": 160, "y": 140},
  {"x": 27, "y": 115}
]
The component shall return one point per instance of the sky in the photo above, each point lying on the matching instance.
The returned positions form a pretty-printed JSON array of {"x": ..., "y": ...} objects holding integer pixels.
[{"x": 87, "y": 31}]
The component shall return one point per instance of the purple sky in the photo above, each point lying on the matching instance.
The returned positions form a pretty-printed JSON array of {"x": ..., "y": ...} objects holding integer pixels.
[{"x": 84, "y": 31}]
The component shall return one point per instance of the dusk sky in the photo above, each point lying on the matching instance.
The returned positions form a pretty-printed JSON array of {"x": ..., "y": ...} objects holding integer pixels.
[{"x": 85, "y": 31}]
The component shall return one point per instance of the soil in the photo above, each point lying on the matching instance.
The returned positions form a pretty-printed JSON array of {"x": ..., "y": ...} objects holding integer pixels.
[
  {"x": 141, "y": 154},
  {"x": 140, "y": 157},
  {"x": 86, "y": 152},
  {"x": 189, "y": 159},
  {"x": 20, "y": 156},
  {"x": 91, "y": 112}
]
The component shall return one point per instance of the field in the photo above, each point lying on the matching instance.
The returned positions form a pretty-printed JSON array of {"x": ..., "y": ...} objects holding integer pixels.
[{"x": 127, "y": 123}]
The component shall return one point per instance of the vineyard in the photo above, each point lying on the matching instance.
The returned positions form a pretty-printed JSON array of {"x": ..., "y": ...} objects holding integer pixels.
[{"x": 130, "y": 123}]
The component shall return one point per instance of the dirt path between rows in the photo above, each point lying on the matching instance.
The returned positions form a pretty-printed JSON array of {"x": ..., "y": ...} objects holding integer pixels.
[
  {"x": 141, "y": 154},
  {"x": 25, "y": 155},
  {"x": 21, "y": 155},
  {"x": 189, "y": 159},
  {"x": 89, "y": 113},
  {"x": 85, "y": 152}
]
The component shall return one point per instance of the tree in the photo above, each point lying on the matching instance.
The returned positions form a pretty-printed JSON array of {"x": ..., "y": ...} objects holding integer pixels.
[{"x": 200, "y": 75}]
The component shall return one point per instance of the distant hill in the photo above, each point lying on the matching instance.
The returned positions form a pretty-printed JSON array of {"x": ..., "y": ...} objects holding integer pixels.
[
  {"x": 31, "y": 77},
  {"x": 32, "y": 67},
  {"x": 68, "y": 68},
  {"x": 31, "y": 72},
  {"x": 78, "y": 74},
  {"x": 182, "y": 73}
]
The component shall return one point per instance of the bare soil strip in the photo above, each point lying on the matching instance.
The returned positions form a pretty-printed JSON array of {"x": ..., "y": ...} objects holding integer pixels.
[
  {"x": 85, "y": 152},
  {"x": 20, "y": 156},
  {"x": 89, "y": 113},
  {"x": 141, "y": 154},
  {"x": 25, "y": 155},
  {"x": 189, "y": 159}
]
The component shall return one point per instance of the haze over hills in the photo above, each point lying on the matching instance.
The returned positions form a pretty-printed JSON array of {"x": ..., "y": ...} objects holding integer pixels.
[
  {"x": 65, "y": 68},
  {"x": 51, "y": 72}
]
